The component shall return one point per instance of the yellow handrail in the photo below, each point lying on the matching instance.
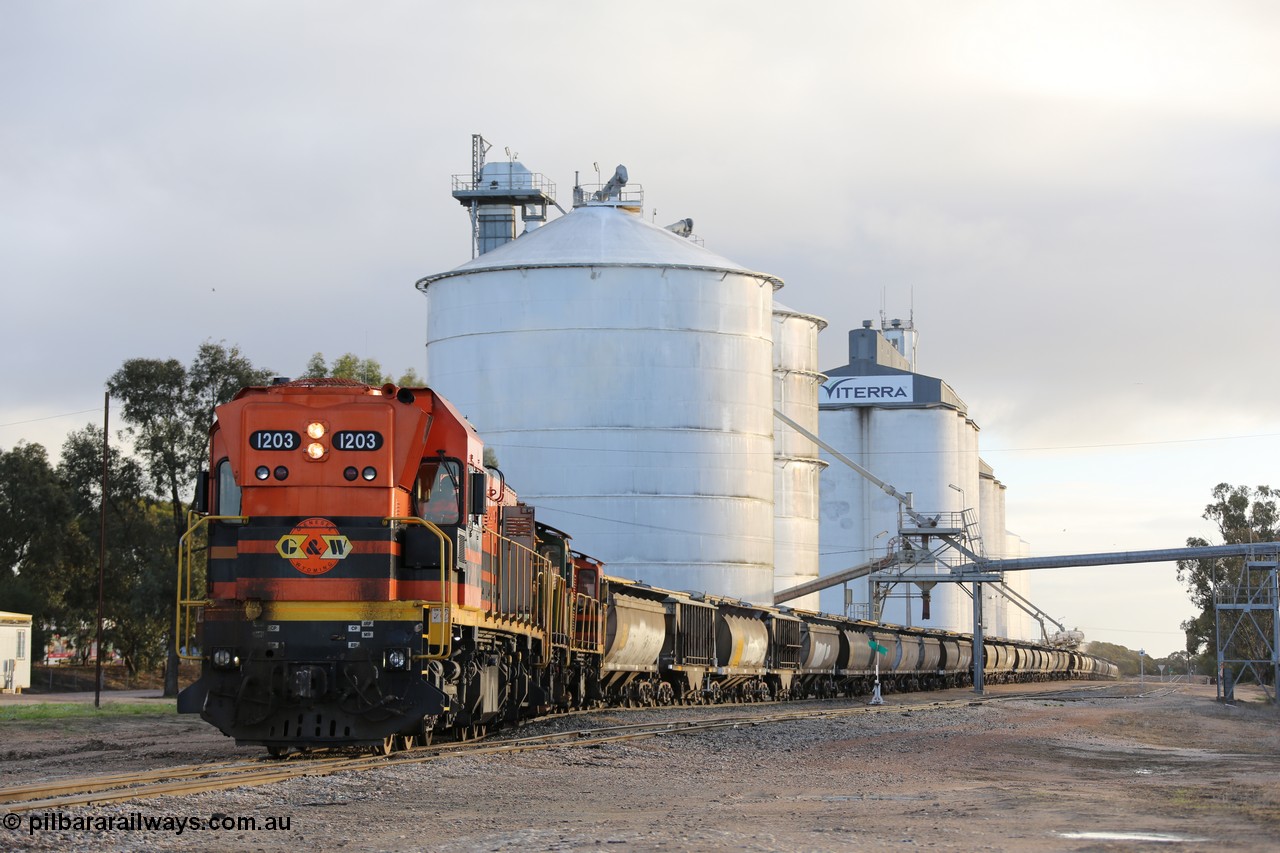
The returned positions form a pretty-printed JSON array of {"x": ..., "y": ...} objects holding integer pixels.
[
  {"x": 185, "y": 618},
  {"x": 588, "y": 624},
  {"x": 516, "y": 569},
  {"x": 446, "y": 550},
  {"x": 437, "y": 635}
]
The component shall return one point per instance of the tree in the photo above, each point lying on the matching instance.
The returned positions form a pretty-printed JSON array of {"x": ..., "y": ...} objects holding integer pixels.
[
  {"x": 1125, "y": 658},
  {"x": 1177, "y": 663},
  {"x": 1242, "y": 515},
  {"x": 366, "y": 370},
  {"x": 37, "y": 539},
  {"x": 138, "y": 569},
  {"x": 316, "y": 367},
  {"x": 410, "y": 379},
  {"x": 167, "y": 409}
]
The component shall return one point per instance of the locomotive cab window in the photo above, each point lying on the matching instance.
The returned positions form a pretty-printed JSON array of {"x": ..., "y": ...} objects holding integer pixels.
[
  {"x": 437, "y": 494},
  {"x": 226, "y": 501},
  {"x": 553, "y": 551}
]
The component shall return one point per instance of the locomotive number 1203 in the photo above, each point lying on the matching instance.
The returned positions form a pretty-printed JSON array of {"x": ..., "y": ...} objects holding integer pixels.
[
  {"x": 275, "y": 439},
  {"x": 349, "y": 439}
]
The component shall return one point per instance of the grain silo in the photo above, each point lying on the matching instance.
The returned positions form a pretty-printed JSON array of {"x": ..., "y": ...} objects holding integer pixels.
[
  {"x": 910, "y": 430},
  {"x": 797, "y": 465},
  {"x": 622, "y": 374}
]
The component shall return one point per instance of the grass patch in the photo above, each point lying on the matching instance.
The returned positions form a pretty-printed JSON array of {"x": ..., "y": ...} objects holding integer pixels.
[{"x": 74, "y": 710}]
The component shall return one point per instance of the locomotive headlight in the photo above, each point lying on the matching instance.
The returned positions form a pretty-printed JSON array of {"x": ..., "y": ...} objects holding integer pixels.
[
  {"x": 262, "y": 473},
  {"x": 350, "y": 472},
  {"x": 225, "y": 659},
  {"x": 398, "y": 659},
  {"x": 315, "y": 450},
  {"x": 369, "y": 473},
  {"x": 315, "y": 429}
]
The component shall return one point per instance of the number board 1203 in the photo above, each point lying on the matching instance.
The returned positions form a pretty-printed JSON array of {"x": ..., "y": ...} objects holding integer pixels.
[
  {"x": 275, "y": 439},
  {"x": 357, "y": 439}
]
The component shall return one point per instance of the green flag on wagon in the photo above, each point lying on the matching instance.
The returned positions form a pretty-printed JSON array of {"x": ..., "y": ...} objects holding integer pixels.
[{"x": 876, "y": 647}]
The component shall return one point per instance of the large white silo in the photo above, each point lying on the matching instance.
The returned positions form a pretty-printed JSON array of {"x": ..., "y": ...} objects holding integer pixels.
[
  {"x": 797, "y": 465},
  {"x": 1011, "y": 620},
  {"x": 912, "y": 431},
  {"x": 1000, "y": 613},
  {"x": 622, "y": 374}
]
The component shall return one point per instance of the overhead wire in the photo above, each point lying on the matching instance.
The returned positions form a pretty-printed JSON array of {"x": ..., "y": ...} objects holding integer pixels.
[{"x": 51, "y": 417}]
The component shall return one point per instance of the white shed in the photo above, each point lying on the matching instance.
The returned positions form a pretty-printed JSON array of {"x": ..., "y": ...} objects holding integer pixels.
[{"x": 15, "y": 652}]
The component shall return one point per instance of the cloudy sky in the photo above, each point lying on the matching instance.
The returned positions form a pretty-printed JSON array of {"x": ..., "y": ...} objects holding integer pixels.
[{"x": 1077, "y": 199}]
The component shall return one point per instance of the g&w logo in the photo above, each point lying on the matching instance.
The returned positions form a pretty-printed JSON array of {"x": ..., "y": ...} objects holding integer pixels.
[{"x": 314, "y": 546}]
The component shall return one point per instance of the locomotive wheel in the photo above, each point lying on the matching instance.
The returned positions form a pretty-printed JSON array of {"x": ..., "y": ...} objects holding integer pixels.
[{"x": 388, "y": 745}]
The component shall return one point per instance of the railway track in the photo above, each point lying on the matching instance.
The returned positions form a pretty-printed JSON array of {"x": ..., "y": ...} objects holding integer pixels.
[{"x": 214, "y": 776}]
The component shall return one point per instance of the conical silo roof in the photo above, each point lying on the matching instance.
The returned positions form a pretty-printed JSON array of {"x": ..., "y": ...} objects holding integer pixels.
[{"x": 598, "y": 236}]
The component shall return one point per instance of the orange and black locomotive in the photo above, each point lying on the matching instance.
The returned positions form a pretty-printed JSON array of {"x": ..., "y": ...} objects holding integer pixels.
[{"x": 368, "y": 579}]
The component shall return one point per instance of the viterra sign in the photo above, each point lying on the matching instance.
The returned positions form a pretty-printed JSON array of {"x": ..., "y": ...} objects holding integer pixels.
[{"x": 867, "y": 389}]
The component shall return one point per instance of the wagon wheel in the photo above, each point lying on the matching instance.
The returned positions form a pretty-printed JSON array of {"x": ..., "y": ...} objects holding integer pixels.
[
  {"x": 277, "y": 752},
  {"x": 388, "y": 745}
]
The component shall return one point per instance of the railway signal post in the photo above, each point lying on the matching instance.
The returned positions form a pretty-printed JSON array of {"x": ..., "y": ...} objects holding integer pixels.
[{"x": 876, "y": 698}]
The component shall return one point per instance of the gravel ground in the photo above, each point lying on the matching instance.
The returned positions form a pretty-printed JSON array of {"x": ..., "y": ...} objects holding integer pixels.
[{"x": 1174, "y": 768}]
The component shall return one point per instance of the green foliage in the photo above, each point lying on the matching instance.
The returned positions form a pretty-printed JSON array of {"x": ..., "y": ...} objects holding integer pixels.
[
  {"x": 216, "y": 375},
  {"x": 139, "y": 568},
  {"x": 30, "y": 498},
  {"x": 316, "y": 368},
  {"x": 168, "y": 408},
  {"x": 38, "y": 542},
  {"x": 1242, "y": 515},
  {"x": 366, "y": 370},
  {"x": 410, "y": 379},
  {"x": 1178, "y": 663},
  {"x": 1125, "y": 658}
]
